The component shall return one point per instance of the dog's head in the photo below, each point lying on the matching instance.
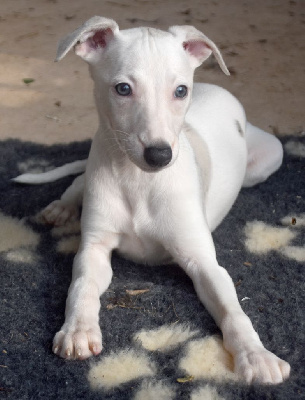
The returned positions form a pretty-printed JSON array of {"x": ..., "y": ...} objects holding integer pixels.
[{"x": 143, "y": 83}]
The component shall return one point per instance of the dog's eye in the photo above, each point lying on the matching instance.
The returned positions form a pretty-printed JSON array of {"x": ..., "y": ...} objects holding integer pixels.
[
  {"x": 181, "y": 91},
  {"x": 123, "y": 89}
]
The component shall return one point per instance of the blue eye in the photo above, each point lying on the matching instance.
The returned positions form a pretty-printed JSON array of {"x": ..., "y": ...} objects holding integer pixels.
[
  {"x": 181, "y": 91},
  {"x": 123, "y": 89}
]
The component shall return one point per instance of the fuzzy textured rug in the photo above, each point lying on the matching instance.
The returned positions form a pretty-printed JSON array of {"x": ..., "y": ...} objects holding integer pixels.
[{"x": 159, "y": 341}]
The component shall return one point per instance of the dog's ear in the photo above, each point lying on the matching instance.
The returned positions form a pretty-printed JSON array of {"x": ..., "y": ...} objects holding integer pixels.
[
  {"x": 88, "y": 40},
  {"x": 198, "y": 46}
]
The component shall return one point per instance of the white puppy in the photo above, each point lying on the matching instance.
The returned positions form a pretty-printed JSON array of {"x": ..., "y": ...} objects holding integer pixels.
[{"x": 165, "y": 167}]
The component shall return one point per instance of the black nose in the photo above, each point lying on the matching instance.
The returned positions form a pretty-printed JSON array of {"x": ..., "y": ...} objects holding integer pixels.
[{"x": 158, "y": 155}]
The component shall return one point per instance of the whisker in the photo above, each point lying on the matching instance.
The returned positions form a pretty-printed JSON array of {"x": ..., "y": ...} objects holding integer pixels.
[
  {"x": 115, "y": 143},
  {"x": 119, "y": 131}
]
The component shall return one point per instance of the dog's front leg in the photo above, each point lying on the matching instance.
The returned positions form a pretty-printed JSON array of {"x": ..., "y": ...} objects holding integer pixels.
[
  {"x": 217, "y": 292},
  {"x": 80, "y": 336}
]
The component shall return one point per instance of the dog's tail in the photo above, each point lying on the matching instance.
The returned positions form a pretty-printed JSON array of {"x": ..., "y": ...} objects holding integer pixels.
[{"x": 72, "y": 168}]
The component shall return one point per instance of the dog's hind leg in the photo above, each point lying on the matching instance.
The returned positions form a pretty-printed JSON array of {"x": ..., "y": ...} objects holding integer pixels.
[
  {"x": 67, "y": 208},
  {"x": 265, "y": 155}
]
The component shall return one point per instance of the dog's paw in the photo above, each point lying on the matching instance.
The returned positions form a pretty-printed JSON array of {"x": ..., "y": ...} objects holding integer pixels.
[
  {"x": 77, "y": 343},
  {"x": 261, "y": 366},
  {"x": 58, "y": 213}
]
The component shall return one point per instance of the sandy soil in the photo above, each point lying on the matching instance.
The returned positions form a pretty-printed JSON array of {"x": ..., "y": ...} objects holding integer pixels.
[{"x": 262, "y": 42}]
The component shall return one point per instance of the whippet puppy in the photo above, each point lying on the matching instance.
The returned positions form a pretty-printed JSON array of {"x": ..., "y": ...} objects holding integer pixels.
[{"x": 166, "y": 165}]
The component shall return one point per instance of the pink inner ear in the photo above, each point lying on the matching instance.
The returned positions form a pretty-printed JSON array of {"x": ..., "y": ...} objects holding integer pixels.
[
  {"x": 99, "y": 39},
  {"x": 198, "y": 49}
]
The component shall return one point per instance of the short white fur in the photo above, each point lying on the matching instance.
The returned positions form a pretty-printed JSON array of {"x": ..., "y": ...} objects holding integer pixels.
[{"x": 152, "y": 214}]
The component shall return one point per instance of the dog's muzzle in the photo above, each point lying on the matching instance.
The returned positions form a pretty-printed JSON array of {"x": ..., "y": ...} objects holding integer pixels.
[{"x": 158, "y": 156}]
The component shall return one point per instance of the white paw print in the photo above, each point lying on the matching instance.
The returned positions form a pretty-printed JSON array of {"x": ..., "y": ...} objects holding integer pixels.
[
  {"x": 262, "y": 238},
  {"x": 202, "y": 358}
]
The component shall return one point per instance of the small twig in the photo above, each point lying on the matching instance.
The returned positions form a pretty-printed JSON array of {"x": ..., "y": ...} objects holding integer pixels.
[
  {"x": 132, "y": 307},
  {"x": 175, "y": 310},
  {"x": 136, "y": 292}
]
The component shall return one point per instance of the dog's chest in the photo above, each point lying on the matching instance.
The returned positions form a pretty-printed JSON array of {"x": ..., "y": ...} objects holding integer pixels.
[
  {"x": 140, "y": 222},
  {"x": 143, "y": 249}
]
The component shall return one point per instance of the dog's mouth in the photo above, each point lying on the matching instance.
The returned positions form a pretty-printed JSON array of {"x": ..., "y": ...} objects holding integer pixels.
[
  {"x": 144, "y": 166},
  {"x": 148, "y": 169}
]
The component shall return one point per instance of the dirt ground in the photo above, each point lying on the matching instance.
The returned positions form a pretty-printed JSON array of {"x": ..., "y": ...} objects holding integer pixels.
[{"x": 262, "y": 43}]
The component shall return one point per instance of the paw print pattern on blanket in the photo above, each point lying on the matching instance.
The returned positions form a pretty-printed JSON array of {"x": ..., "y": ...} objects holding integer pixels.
[
  {"x": 34, "y": 165},
  {"x": 295, "y": 148},
  {"x": 18, "y": 241},
  {"x": 262, "y": 238},
  {"x": 200, "y": 359},
  {"x": 68, "y": 237}
]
